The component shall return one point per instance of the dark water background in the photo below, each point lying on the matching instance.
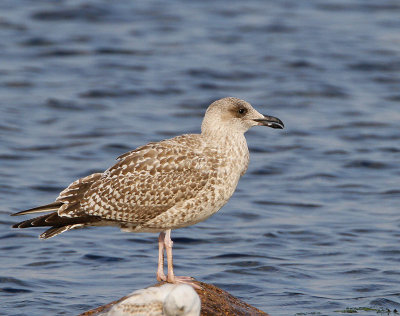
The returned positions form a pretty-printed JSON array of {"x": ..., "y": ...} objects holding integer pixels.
[{"x": 314, "y": 226}]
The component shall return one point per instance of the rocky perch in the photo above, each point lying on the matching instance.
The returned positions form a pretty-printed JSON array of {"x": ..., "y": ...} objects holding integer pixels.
[{"x": 214, "y": 301}]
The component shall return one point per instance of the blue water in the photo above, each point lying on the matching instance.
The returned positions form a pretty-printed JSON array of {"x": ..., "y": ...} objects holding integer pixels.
[{"x": 314, "y": 226}]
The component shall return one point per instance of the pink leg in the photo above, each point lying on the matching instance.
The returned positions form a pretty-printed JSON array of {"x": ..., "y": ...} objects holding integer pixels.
[
  {"x": 168, "y": 243},
  {"x": 172, "y": 278},
  {"x": 160, "y": 270}
]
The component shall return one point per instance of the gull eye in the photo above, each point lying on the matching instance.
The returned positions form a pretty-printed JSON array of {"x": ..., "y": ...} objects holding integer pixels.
[{"x": 242, "y": 111}]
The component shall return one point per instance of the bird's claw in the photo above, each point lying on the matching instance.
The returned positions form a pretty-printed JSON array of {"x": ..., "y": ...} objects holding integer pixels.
[{"x": 184, "y": 280}]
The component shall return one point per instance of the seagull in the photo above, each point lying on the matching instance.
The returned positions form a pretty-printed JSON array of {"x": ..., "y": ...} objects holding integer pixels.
[
  {"x": 163, "y": 185},
  {"x": 165, "y": 300}
]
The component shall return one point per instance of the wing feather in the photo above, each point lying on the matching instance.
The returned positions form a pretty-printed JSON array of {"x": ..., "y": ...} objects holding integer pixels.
[{"x": 145, "y": 183}]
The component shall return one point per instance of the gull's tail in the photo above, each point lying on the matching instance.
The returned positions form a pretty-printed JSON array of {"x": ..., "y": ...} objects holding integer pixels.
[
  {"x": 58, "y": 224},
  {"x": 66, "y": 211}
]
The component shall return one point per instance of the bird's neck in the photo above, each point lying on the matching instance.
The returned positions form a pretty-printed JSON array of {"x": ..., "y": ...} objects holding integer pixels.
[
  {"x": 224, "y": 138},
  {"x": 232, "y": 145}
]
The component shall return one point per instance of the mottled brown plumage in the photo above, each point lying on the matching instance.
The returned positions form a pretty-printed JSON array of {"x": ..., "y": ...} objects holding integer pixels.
[{"x": 163, "y": 185}]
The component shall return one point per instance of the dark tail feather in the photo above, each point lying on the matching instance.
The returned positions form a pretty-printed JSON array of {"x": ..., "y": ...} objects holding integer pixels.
[
  {"x": 33, "y": 222},
  {"x": 58, "y": 224},
  {"x": 40, "y": 209},
  {"x": 54, "y": 231}
]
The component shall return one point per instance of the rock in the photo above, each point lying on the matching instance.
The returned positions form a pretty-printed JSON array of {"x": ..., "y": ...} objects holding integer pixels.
[{"x": 214, "y": 301}]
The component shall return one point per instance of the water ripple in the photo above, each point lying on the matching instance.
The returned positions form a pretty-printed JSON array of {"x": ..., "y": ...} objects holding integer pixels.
[{"x": 313, "y": 227}]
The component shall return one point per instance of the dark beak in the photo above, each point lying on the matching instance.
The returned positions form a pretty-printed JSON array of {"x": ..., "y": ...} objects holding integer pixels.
[{"x": 270, "y": 121}]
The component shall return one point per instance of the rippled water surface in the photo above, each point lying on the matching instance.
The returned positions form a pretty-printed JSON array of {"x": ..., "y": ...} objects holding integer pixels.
[{"x": 314, "y": 226}]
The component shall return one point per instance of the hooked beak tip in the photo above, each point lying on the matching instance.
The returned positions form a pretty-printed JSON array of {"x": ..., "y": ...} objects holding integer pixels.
[{"x": 270, "y": 121}]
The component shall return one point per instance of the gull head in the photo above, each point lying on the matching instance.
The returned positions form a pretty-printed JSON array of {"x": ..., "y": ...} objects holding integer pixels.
[
  {"x": 235, "y": 115},
  {"x": 182, "y": 301}
]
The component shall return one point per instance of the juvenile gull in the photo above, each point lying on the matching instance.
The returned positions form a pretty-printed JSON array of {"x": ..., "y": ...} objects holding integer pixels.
[
  {"x": 165, "y": 300},
  {"x": 162, "y": 185}
]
